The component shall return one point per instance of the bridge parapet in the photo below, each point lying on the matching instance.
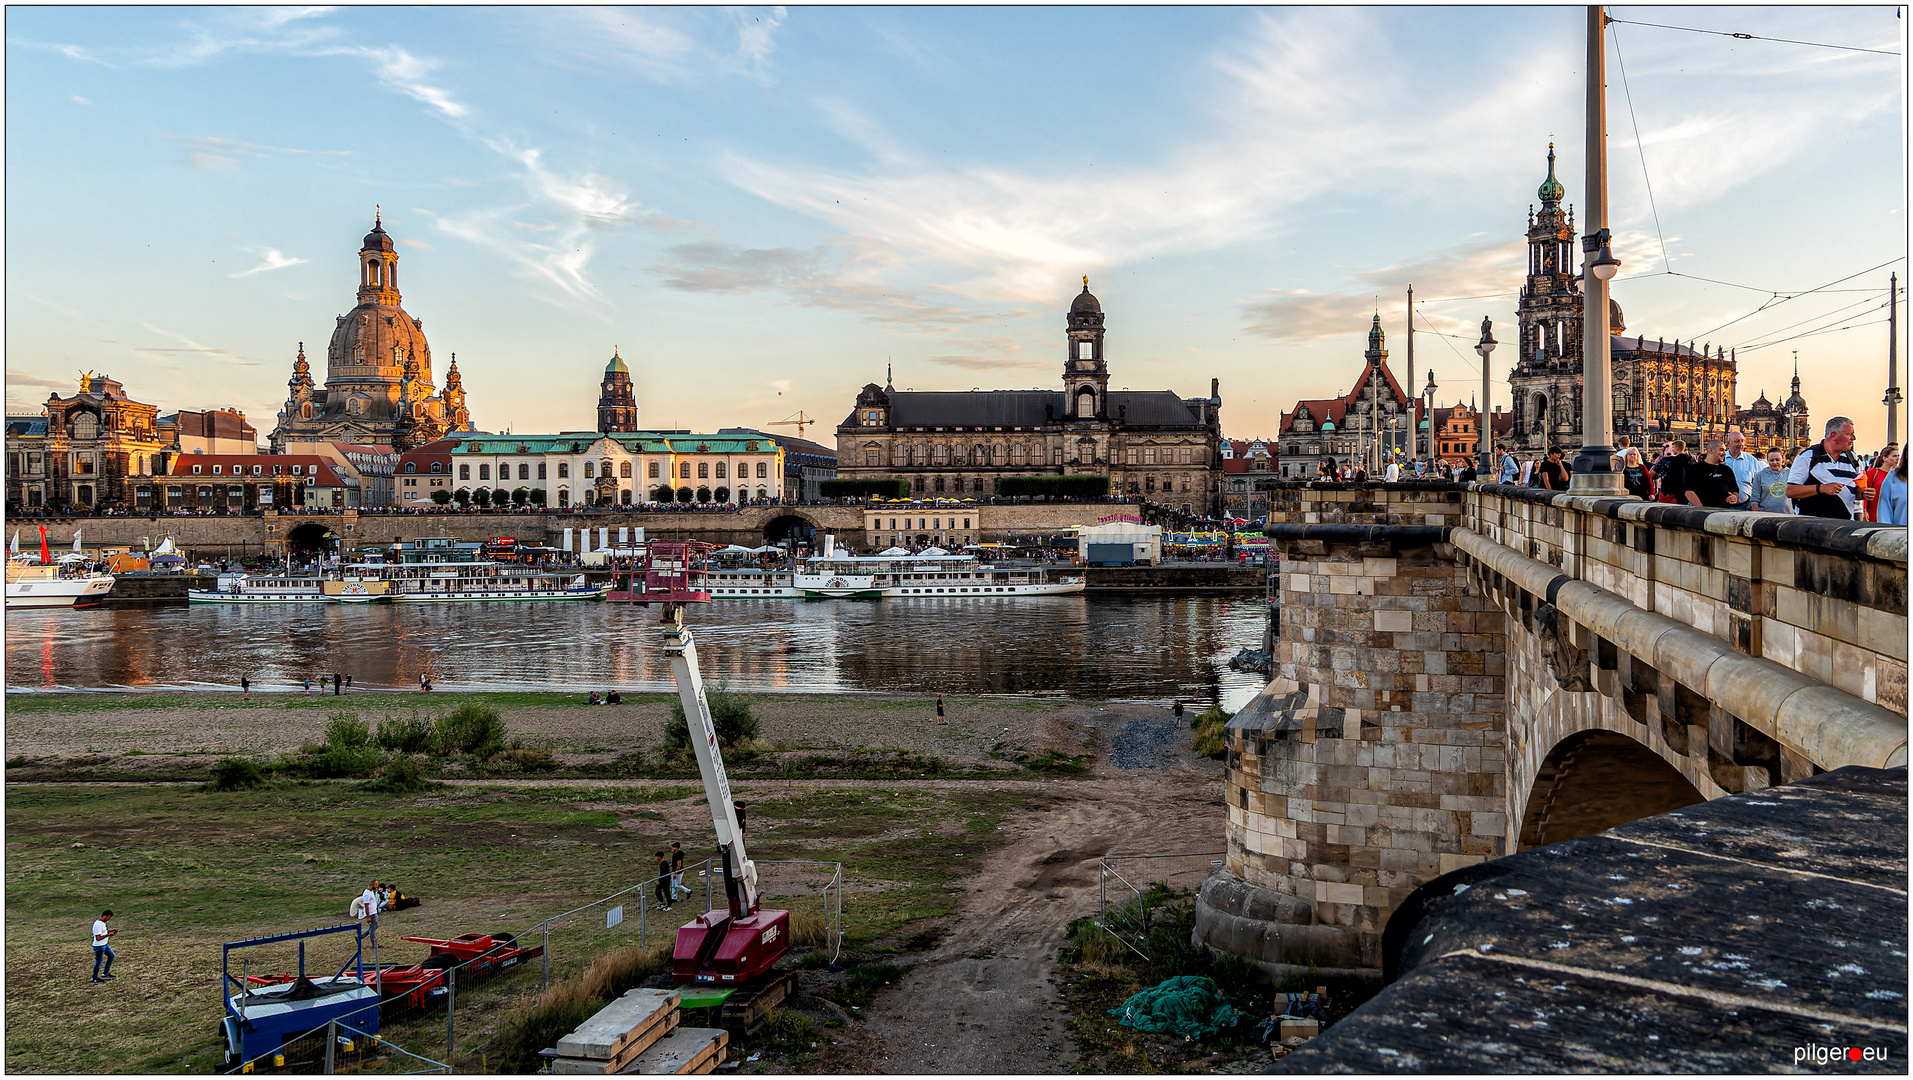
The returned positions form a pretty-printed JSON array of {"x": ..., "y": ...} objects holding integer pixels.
[{"x": 1465, "y": 671}]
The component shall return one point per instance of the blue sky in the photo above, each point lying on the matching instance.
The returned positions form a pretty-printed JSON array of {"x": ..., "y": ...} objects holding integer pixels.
[{"x": 760, "y": 207}]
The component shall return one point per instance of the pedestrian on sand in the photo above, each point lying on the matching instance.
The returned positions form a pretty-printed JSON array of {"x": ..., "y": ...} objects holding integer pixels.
[
  {"x": 939, "y": 708},
  {"x": 338, "y": 682},
  {"x": 662, "y": 887},
  {"x": 307, "y": 683},
  {"x": 365, "y": 906},
  {"x": 245, "y": 688},
  {"x": 1822, "y": 479},
  {"x": 677, "y": 872},
  {"x": 102, "y": 948},
  {"x": 348, "y": 682}
]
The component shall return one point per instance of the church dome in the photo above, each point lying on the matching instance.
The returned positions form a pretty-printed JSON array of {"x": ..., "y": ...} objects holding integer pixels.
[
  {"x": 1086, "y": 304},
  {"x": 1615, "y": 323},
  {"x": 1328, "y": 425},
  {"x": 376, "y": 240},
  {"x": 616, "y": 366},
  {"x": 379, "y": 336}
]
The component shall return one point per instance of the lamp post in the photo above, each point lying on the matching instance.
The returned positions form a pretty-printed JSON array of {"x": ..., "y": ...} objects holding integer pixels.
[
  {"x": 1483, "y": 428},
  {"x": 1428, "y": 417},
  {"x": 1593, "y": 467}
]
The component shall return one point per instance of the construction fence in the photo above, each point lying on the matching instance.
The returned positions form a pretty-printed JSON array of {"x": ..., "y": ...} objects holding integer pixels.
[
  {"x": 1133, "y": 890},
  {"x": 561, "y": 946}
]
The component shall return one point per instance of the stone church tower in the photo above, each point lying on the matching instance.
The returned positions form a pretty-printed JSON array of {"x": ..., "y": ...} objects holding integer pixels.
[
  {"x": 1085, "y": 373},
  {"x": 378, "y": 385},
  {"x": 617, "y": 406}
]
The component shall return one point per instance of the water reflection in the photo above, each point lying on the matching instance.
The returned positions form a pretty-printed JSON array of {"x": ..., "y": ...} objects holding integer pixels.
[{"x": 1072, "y": 646}]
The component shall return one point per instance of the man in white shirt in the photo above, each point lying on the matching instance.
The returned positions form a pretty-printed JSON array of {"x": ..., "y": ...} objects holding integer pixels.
[
  {"x": 1745, "y": 465},
  {"x": 1822, "y": 480},
  {"x": 102, "y": 948},
  {"x": 1394, "y": 473},
  {"x": 365, "y": 907}
]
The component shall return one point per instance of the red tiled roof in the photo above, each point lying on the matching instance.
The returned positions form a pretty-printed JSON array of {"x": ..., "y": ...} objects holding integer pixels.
[{"x": 325, "y": 477}]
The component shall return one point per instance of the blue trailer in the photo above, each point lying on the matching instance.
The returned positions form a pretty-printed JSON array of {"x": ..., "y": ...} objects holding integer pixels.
[
  {"x": 1111, "y": 555},
  {"x": 260, "y": 1018}
]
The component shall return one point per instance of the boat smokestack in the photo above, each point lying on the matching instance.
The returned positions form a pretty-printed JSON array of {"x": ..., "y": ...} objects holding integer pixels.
[{"x": 830, "y": 545}]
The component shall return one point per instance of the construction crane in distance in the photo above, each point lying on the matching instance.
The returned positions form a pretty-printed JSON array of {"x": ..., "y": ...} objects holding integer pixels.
[{"x": 797, "y": 420}]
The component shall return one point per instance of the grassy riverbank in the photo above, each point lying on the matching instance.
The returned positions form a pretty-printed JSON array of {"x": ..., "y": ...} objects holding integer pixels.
[{"x": 185, "y": 870}]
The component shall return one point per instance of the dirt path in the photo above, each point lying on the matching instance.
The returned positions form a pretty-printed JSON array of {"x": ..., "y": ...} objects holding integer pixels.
[{"x": 983, "y": 1002}]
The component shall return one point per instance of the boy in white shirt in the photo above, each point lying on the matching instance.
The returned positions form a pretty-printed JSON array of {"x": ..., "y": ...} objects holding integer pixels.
[{"x": 102, "y": 948}]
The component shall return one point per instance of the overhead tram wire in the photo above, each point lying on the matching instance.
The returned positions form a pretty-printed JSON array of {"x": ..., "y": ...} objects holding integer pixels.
[
  {"x": 1837, "y": 315},
  {"x": 1813, "y": 318},
  {"x": 1815, "y": 333},
  {"x": 1776, "y": 300},
  {"x": 1755, "y": 37},
  {"x": 1641, "y": 150}
]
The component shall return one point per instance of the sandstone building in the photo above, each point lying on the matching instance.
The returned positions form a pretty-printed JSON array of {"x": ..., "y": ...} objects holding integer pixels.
[
  {"x": 1150, "y": 443},
  {"x": 378, "y": 381},
  {"x": 85, "y": 452}
]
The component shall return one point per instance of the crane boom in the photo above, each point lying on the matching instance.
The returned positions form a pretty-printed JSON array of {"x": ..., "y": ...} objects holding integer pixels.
[{"x": 682, "y": 651}]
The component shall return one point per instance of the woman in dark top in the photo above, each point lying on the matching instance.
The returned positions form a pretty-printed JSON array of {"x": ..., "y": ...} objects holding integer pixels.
[{"x": 1635, "y": 477}]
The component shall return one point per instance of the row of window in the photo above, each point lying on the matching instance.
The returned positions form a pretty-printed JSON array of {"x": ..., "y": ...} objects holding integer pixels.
[
  {"x": 933, "y": 523},
  {"x": 592, "y": 470},
  {"x": 259, "y": 470}
]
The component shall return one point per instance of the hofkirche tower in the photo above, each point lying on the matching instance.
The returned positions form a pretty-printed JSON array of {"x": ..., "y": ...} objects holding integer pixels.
[{"x": 378, "y": 382}]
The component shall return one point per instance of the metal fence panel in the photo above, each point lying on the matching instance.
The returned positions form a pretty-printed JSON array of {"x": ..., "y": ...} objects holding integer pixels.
[{"x": 1133, "y": 888}]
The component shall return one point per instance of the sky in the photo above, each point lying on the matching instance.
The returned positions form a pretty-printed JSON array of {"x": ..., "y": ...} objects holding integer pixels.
[{"x": 761, "y": 209}]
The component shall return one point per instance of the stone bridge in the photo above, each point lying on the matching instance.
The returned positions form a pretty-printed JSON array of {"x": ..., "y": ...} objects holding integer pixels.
[{"x": 1464, "y": 672}]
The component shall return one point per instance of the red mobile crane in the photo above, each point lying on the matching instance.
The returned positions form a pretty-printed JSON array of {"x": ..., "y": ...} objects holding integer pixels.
[{"x": 738, "y": 944}]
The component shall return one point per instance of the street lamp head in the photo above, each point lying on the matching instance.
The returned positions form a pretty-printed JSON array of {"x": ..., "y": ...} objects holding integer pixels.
[{"x": 1605, "y": 265}]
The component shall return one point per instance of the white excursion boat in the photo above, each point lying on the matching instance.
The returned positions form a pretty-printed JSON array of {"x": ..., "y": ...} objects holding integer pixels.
[
  {"x": 430, "y": 570},
  {"x": 31, "y": 585},
  {"x": 927, "y": 574}
]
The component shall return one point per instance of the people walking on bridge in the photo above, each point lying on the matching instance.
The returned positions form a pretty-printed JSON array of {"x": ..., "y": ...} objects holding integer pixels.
[
  {"x": 1670, "y": 471},
  {"x": 1893, "y": 495},
  {"x": 1824, "y": 477},
  {"x": 1711, "y": 482},
  {"x": 1635, "y": 476},
  {"x": 1554, "y": 474},
  {"x": 1743, "y": 464},
  {"x": 1770, "y": 486},
  {"x": 1883, "y": 464}
]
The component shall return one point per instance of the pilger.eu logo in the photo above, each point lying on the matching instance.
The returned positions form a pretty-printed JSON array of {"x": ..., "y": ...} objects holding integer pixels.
[{"x": 1829, "y": 1055}]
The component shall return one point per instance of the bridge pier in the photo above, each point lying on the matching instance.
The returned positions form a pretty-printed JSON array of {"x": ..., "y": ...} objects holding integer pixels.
[{"x": 1375, "y": 759}]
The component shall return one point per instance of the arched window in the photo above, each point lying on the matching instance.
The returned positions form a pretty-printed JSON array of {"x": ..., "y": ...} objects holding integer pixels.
[
  {"x": 720, "y": 470},
  {"x": 604, "y": 467},
  {"x": 588, "y": 470},
  {"x": 624, "y": 470},
  {"x": 464, "y": 471},
  {"x": 564, "y": 470},
  {"x": 703, "y": 471},
  {"x": 763, "y": 469},
  {"x": 684, "y": 470},
  {"x": 654, "y": 470},
  {"x": 524, "y": 470},
  {"x": 979, "y": 454}
]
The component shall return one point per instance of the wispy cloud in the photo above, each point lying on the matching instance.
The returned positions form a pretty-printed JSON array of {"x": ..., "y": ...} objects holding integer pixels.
[
  {"x": 270, "y": 259},
  {"x": 406, "y": 73},
  {"x": 674, "y": 45},
  {"x": 216, "y": 153},
  {"x": 844, "y": 275},
  {"x": 78, "y": 100},
  {"x": 186, "y": 345}
]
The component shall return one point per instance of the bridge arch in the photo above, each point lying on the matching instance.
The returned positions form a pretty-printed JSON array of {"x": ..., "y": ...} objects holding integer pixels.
[
  {"x": 1594, "y": 780},
  {"x": 308, "y": 538},
  {"x": 790, "y": 526}
]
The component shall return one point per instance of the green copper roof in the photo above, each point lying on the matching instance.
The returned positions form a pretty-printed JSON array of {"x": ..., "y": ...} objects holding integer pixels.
[
  {"x": 1551, "y": 190},
  {"x": 616, "y": 365}
]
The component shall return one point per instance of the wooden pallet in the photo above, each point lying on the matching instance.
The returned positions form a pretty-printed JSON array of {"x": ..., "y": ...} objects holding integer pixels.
[
  {"x": 686, "y": 1050},
  {"x": 618, "y": 1033}
]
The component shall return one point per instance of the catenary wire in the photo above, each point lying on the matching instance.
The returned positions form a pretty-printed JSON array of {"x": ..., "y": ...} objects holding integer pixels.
[
  {"x": 1778, "y": 300},
  {"x": 1755, "y": 37},
  {"x": 1641, "y": 149},
  {"x": 1817, "y": 333}
]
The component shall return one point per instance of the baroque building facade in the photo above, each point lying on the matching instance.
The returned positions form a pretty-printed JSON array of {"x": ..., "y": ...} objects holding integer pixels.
[
  {"x": 1661, "y": 390},
  {"x": 378, "y": 381},
  {"x": 1151, "y": 443},
  {"x": 87, "y": 452}
]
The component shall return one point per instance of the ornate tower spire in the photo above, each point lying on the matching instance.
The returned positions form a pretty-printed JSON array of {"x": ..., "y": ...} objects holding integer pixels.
[
  {"x": 378, "y": 267},
  {"x": 301, "y": 372}
]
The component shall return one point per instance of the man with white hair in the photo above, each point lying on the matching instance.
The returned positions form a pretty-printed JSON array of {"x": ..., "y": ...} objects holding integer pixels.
[
  {"x": 1743, "y": 464},
  {"x": 1824, "y": 477}
]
